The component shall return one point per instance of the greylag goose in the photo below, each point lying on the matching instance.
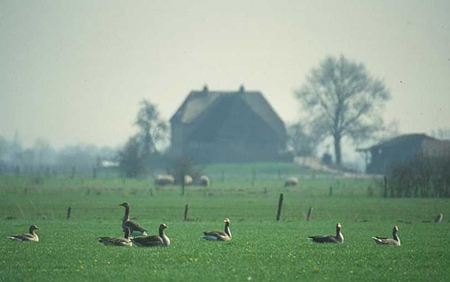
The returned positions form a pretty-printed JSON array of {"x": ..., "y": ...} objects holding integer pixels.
[
  {"x": 133, "y": 226},
  {"x": 25, "y": 237},
  {"x": 339, "y": 238},
  {"x": 395, "y": 241},
  {"x": 219, "y": 235},
  {"x": 112, "y": 241},
  {"x": 160, "y": 240},
  {"x": 439, "y": 218}
]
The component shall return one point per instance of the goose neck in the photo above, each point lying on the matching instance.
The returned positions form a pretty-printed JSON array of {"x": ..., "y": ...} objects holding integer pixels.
[
  {"x": 227, "y": 229},
  {"x": 127, "y": 214},
  {"x": 395, "y": 235}
]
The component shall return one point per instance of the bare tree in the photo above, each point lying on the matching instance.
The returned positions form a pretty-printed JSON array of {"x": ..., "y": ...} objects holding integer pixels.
[
  {"x": 152, "y": 129},
  {"x": 343, "y": 100},
  {"x": 301, "y": 140},
  {"x": 130, "y": 160}
]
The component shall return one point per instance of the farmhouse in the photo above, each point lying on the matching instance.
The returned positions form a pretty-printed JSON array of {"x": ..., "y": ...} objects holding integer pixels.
[
  {"x": 381, "y": 157},
  {"x": 227, "y": 126}
]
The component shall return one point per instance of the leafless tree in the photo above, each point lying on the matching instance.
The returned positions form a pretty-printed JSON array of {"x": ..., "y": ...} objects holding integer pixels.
[
  {"x": 301, "y": 140},
  {"x": 342, "y": 100},
  {"x": 152, "y": 129}
]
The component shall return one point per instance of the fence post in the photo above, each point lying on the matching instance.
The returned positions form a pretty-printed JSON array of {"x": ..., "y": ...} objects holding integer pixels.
[
  {"x": 385, "y": 194},
  {"x": 186, "y": 209},
  {"x": 280, "y": 204},
  {"x": 308, "y": 217},
  {"x": 69, "y": 212}
]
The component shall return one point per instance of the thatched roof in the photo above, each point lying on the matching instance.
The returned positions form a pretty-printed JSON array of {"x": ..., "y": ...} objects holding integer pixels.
[
  {"x": 416, "y": 137},
  {"x": 212, "y": 107}
]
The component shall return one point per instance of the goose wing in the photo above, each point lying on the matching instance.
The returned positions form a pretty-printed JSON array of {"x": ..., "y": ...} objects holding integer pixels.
[
  {"x": 150, "y": 241},
  {"x": 134, "y": 227},
  {"x": 215, "y": 236},
  {"x": 23, "y": 237},
  {"x": 386, "y": 241},
  {"x": 324, "y": 239},
  {"x": 111, "y": 241}
]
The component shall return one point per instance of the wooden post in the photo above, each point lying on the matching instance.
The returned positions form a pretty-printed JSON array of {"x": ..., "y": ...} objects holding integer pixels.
[
  {"x": 69, "y": 212},
  {"x": 385, "y": 194},
  {"x": 330, "y": 193},
  {"x": 186, "y": 209},
  {"x": 280, "y": 204},
  {"x": 183, "y": 185},
  {"x": 253, "y": 176},
  {"x": 308, "y": 217}
]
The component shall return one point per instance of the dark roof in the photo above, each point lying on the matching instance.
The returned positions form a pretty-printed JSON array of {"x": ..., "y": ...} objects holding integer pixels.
[
  {"x": 200, "y": 104},
  {"x": 415, "y": 137}
]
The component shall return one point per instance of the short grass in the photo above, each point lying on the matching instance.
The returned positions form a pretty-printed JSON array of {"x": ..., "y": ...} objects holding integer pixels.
[{"x": 262, "y": 249}]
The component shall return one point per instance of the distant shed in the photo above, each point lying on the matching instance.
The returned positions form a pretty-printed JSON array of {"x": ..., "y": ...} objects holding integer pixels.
[{"x": 383, "y": 156}]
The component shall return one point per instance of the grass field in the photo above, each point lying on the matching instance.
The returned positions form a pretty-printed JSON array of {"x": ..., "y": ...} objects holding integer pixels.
[{"x": 262, "y": 249}]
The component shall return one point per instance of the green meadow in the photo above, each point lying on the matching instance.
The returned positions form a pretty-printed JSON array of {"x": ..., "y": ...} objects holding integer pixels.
[{"x": 262, "y": 249}]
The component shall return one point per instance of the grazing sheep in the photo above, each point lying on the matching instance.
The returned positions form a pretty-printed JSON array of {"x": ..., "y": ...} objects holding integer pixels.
[
  {"x": 163, "y": 180},
  {"x": 291, "y": 181},
  {"x": 204, "y": 180},
  {"x": 187, "y": 180}
]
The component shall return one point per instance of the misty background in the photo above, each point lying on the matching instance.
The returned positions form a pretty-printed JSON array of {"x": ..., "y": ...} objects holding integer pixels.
[{"x": 73, "y": 73}]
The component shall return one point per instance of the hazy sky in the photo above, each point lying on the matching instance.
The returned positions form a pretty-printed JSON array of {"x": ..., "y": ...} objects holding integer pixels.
[{"x": 74, "y": 71}]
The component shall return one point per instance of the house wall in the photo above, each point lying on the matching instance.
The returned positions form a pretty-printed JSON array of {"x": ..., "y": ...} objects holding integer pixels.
[{"x": 384, "y": 158}]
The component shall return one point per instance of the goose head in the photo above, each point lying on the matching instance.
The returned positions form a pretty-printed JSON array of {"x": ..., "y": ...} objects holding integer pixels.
[
  {"x": 33, "y": 227},
  {"x": 226, "y": 221},
  {"x": 338, "y": 226},
  {"x": 395, "y": 230},
  {"x": 126, "y": 205},
  {"x": 163, "y": 226}
]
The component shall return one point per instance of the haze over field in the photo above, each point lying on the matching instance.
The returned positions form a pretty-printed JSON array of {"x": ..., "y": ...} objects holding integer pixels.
[{"x": 74, "y": 71}]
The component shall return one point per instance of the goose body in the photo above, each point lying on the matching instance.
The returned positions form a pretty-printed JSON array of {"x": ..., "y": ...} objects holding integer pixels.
[
  {"x": 26, "y": 237},
  {"x": 338, "y": 238},
  {"x": 121, "y": 242},
  {"x": 394, "y": 241},
  {"x": 160, "y": 240},
  {"x": 219, "y": 235},
  {"x": 134, "y": 227}
]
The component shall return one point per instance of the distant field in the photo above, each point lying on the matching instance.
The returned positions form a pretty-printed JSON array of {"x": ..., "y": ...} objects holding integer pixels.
[{"x": 261, "y": 250}]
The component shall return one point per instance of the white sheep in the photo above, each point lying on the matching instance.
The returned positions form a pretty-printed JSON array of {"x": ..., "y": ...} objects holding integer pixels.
[
  {"x": 291, "y": 181},
  {"x": 187, "y": 180},
  {"x": 204, "y": 180},
  {"x": 163, "y": 180}
]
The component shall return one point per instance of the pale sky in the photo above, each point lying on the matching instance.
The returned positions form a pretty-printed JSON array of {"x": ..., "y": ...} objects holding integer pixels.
[{"x": 74, "y": 71}]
